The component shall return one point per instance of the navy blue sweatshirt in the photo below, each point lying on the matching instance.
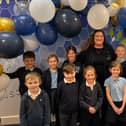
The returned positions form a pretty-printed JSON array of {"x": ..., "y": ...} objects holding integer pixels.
[
  {"x": 20, "y": 73},
  {"x": 67, "y": 97}
]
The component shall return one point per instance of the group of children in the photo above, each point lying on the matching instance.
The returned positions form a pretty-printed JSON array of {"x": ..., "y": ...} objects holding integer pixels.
[{"x": 64, "y": 96}]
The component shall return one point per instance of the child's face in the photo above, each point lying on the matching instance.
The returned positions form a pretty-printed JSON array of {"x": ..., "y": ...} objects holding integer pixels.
[
  {"x": 70, "y": 76},
  {"x": 29, "y": 62},
  {"x": 115, "y": 71},
  {"x": 90, "y": 76},
  {"x": 33, "y": 84},
  {"x": 71, "y": 56},
  {"x": 120, "y": 52},
  {"x": 52, "y": 62}
]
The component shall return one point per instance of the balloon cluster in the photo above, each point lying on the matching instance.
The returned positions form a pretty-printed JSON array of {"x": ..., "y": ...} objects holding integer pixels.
[{"x": 41, "y": 21}]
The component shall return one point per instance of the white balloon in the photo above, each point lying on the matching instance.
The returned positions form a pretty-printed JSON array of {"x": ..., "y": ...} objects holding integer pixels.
[
  {"x": 30, "y": 42},
  {"x": 113, "y": 9},
  {"x": 42, "y": 10},
  {"x": 78, "y": 5},
  {"x": 4, "y": 81},
  {"x": 98, "y": 16},
  {"x": 65, "y": 2}
]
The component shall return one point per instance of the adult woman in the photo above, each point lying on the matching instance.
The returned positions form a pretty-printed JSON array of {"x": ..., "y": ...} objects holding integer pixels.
[{"x": 98, "y": 53}]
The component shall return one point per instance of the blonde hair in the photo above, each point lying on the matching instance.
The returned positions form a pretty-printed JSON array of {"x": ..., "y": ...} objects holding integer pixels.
[
  {"x": 32, "y": 76},
  {"x": 87, "y": 68},
  {"x": 120, "y": 45},
  {"x": 115, "y": 64},
  {"x": 53, "y": 55}
]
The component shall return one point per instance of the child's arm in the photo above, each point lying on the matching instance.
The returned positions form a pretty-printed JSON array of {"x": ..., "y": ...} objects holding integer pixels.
[
  {"x": 100, "y": 98},
  {"x": 82, "y": 102},
  {"x": 14, "y": 74},
  {"x": 23, "y": 108},
  {"x": 46, "y": 118},
  {"x": 109, "y": 98},
  {"x": 124, "y": 101}
]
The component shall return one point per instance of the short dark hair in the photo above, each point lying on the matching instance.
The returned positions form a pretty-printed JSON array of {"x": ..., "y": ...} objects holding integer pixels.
[
  {"x": 29, "y": 54},
  {"x": 69, "y": 67}
]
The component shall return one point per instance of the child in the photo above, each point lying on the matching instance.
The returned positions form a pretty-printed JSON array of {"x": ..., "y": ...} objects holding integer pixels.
[
  {"x": 90, "y": 98},
  {"x": 67, "y": 95},
  {"x": 35, "y": 106},
  {"x": 120, "y": 51},
  {"x": 71, "y": 54},
  {"x": 20, "y": 73},
  {"x": 116, "y": 96},
  {"x": 51, "y": 77}
]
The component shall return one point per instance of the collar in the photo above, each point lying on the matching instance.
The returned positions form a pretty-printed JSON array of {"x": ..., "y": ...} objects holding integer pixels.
[
  {"x": 71, "y": 82},
  {"x": 88, "y": 85},
  {"x": 114, "y": 79},
  {"x": 31, "y": 69},
  {"x": 34, "y": 96}
]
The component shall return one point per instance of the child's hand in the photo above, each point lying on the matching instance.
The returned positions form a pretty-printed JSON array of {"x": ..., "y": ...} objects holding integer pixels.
[
  {"x": 120, "y": 110},
  {"x": 92, "y": 110},
  {"x": 116, "y": 110}
]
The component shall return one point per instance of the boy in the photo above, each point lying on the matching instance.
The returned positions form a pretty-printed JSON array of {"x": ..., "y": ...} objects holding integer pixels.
[
  {"x": 20, "y": 73},
  {"x": 35, "y": 106},
  {"x": 67, "y": 96},
  {"x": 120, "y": 51}
]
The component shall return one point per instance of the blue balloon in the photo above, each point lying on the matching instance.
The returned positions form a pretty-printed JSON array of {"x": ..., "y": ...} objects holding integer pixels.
[
  {"x": 11, "y": 45},
  {"x": 121, "y": 17},
  {"x": 46, "y": 34},
  {"x": 57, "y": 3},
  {"x": 24, "y": 25},
  {"x": 68, "y": 23}
]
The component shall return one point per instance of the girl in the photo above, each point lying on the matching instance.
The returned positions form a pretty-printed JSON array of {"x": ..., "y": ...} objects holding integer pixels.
[
  {"x": 51, "y": 77},
  {"x": 116, "y": 96},
  {"x": 91, "y": 97}
]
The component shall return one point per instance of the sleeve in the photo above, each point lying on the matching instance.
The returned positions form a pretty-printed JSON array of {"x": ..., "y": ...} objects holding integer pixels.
[
  {"x": 100, "y": 98},
  {"x": 46, "y": 117},
  {"x": 106, "y": 83},
  {"x": 82, "y": 102},
  {"x": 23, "y": 108},
  {"x": 14, "y": 74}
]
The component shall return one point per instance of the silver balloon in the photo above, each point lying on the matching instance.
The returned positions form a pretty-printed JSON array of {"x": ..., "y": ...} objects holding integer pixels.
[{"x": 21, "y": 7}]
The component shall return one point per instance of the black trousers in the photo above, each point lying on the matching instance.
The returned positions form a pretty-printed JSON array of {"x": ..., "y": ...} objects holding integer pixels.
[
  {"x": 113, "y": 119},
  {"x": 87, "y": 119},
  {"x": 68, "y": 119}
]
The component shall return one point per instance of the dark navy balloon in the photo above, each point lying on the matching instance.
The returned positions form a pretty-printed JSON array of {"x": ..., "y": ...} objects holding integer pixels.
[
  {"x": 46, "y": 34},
  {"x": 57, "y": 3},
  {"x": 11, "y": 45},
  {"x": 68, "y": 23},
  {"x": 121, "y": 17},
  {"x": 24, "y": 25}
]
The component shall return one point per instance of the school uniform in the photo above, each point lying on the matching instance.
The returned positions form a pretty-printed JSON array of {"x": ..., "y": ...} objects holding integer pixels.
[
  {"x": 67, "y": 98},
  {"x": 117, "y": 90},
  {"x": 50, "y": 81},
  {"x": 20, "y": 73},
  {"x": 35, "y": 111},
  {"x": 90, "y": 97}
]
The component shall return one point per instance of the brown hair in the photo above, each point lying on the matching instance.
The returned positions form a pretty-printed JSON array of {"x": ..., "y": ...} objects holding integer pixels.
[
  {"x": 29, "y": 54},
  {"x": 89, "y": 68},
  {"x": 90, "y": 40},
  {"x": 69, "y": 67},
  {"x": 73, "y": 48},
  {"x": 32, "y": 76},
  {"x": 53, "y": 55},
  {"x": 115, "y": 64}
]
